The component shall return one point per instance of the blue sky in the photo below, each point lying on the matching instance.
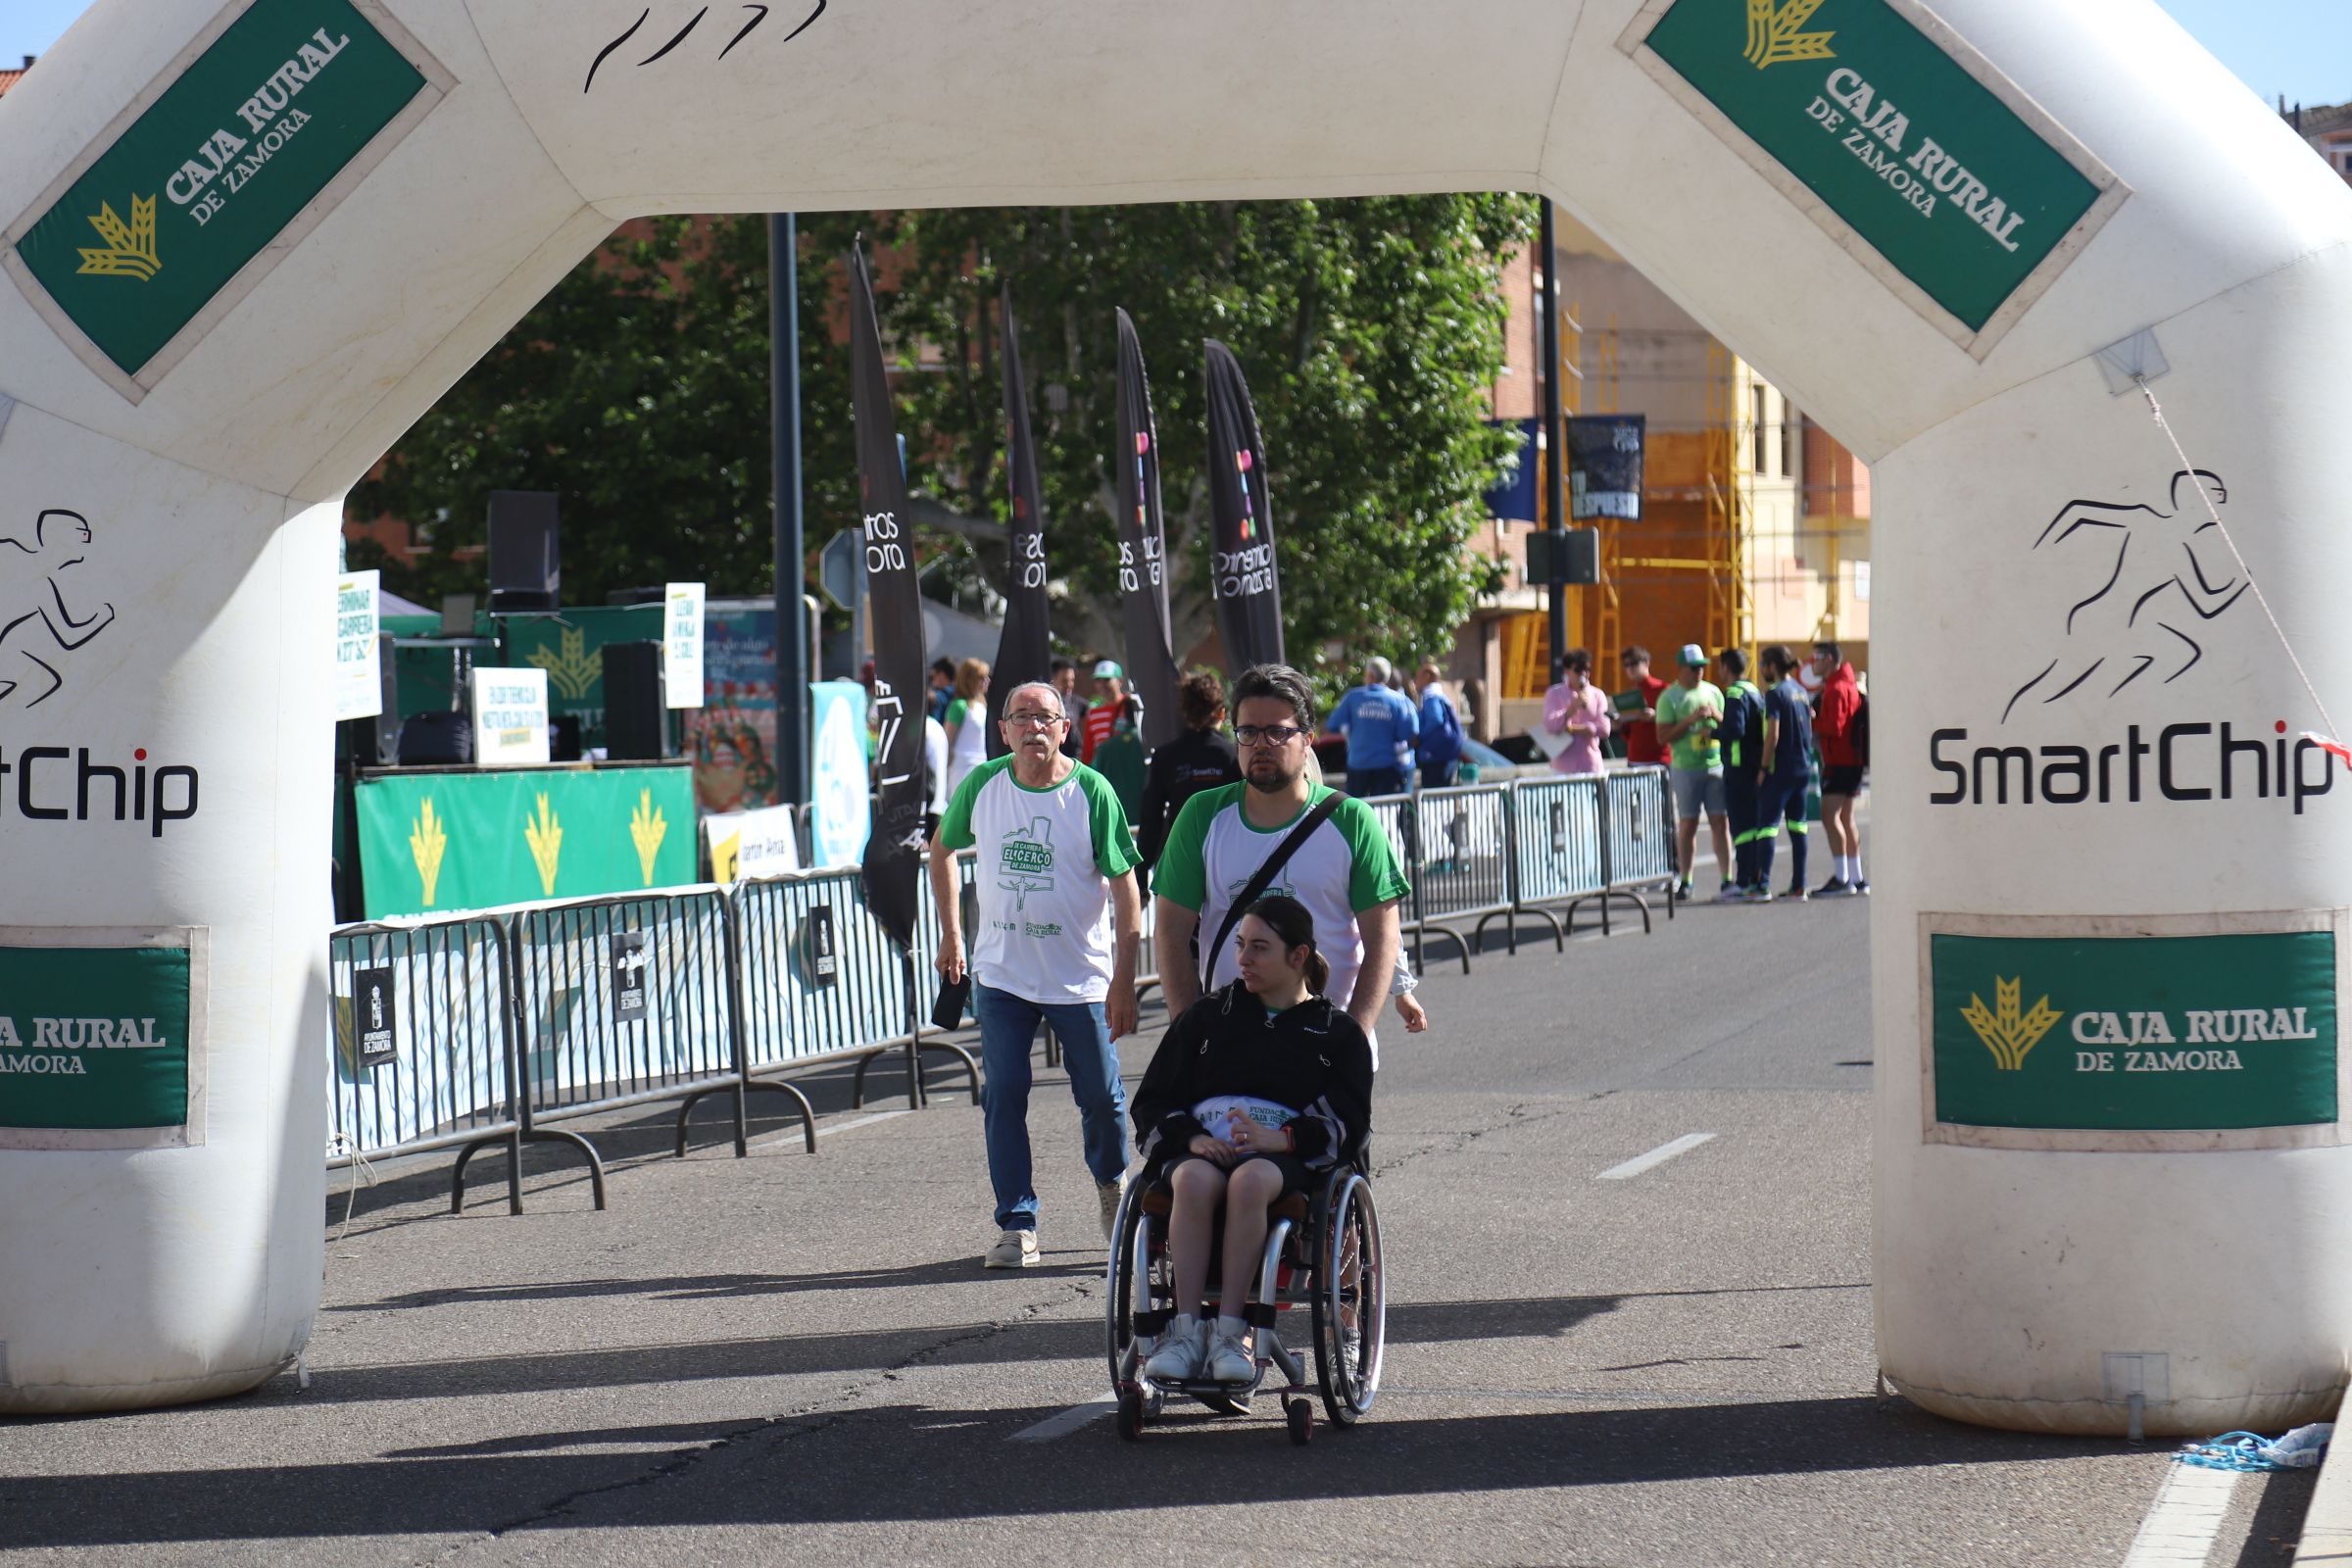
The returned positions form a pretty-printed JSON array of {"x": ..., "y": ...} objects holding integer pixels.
[{"x": 2302, "y": 48}]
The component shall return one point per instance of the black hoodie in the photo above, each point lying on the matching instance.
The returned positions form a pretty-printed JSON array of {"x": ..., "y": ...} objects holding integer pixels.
[{"x": 1311, "y": 1059}]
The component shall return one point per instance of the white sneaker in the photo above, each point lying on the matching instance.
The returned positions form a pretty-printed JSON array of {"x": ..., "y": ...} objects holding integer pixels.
[
  {"x": 1111, "y": 1193},
  {"x": 1229, "y": 1362},
  {"x": 1178, "y": 1358},
  {"x": 1014, "y": 1249}
]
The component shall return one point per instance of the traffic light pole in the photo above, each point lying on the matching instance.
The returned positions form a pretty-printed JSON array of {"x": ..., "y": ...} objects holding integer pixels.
[
  {"x": 1555, "y": 447},
  {"x": 792, "y": 609}
]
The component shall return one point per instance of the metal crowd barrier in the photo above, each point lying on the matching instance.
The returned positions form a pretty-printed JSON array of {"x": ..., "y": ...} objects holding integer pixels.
[
  {"x": 430, "y": 1064},
  {"x": 487, "y": 1029},
  {"x": 1637, "y": 840},
  {"x": 625, "y": 1000}
]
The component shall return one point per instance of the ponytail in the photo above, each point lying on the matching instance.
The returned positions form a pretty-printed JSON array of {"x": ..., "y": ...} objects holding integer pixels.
[{"x": 1295, "y": 927}]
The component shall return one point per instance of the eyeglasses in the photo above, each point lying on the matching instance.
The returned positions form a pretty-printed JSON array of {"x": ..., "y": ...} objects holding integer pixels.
[
  {"x": 1266, "y": 734},
  {"x": 1035, "y": 721}
]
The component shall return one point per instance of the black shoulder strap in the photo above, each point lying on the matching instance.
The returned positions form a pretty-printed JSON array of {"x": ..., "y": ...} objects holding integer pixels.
[{"x": 1316, "y": 815}]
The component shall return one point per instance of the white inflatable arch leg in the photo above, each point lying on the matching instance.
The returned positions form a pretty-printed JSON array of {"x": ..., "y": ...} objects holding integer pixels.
[{"x": 2060, "y": 1246}]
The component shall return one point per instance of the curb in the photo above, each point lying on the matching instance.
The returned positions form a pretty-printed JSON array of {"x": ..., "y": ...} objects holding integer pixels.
[{"x": 2328, "y": 1526}]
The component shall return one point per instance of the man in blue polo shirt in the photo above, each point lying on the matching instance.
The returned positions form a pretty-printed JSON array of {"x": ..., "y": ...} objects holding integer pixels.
[{"x": 1382, "y": 728}]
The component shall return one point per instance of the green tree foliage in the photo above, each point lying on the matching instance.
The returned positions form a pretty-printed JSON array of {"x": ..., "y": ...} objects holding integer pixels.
[
  {"x": 638, "y": 389},
  {"x": 1370, "y": 330}
]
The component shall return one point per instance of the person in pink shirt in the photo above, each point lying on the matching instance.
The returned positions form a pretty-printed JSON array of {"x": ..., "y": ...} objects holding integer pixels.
[{"x": 1577, "y": 708}]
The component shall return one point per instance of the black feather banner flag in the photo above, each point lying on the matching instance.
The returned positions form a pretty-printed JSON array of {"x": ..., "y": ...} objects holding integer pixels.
[{"x": 1240, "y": 561}]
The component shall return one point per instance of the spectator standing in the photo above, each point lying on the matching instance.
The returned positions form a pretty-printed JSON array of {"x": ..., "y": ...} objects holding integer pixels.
[
  {"x": 1576, "y": 709},
  {"x": 1441, "y": 731},
  {"x": 1344, "y": 871},
  {"x": 1115, "y": 738},
  {"x": 942, "y": 690},
  {"x": 1073, "y": 707},
  {"x": 1382, "y": 729},
  {"x": 1687, "y": 713},
  {"x": 1740, "y": 734},
  {"x": 1110, "y": 701},
  {"x": 1056, "y": 933},
  {"x": 1199, "y": 758},
  {"x": 1788, "y": 771},
  {"x": 1638, "y": 708},
  {"x": 1842, "y": 729},
  {"x": 966, "y": 720}
]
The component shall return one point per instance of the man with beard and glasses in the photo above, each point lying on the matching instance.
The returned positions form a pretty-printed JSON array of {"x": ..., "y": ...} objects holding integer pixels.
[{"x": 1344, "y": 872}]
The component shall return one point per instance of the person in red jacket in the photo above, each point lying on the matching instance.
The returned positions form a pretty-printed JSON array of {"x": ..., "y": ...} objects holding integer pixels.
[
  {"x": 1844, "y": 752},
  {"x": 1637, "y": 716}
]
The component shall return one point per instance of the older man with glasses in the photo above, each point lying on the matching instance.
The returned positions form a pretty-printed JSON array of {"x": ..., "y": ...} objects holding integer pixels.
[
  {"x": 1344, "y": 872},
  {"x": 1055, "y": 938}
]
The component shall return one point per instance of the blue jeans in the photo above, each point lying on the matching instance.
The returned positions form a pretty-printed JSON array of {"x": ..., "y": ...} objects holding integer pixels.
[
  {"x": 1366, "y": 782},
  {"x": 1007, "y": 1028}
]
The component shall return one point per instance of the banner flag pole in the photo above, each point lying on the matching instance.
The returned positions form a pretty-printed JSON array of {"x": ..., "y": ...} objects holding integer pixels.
[
  {"x": 1143, "y": 548},
  {"x": 1024, "y": 649},
  {"x": 1243, "y": 573}
]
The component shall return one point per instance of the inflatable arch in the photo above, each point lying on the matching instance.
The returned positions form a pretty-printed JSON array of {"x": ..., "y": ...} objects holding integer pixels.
[{"x": 248, "y": 242}]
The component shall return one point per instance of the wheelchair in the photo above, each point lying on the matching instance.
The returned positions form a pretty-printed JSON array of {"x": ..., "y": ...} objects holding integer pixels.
[{"x": 1322, "y": 1252}]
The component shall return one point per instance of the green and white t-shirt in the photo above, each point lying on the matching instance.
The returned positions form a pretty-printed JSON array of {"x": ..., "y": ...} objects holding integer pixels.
[
  {"x": 1043, "y": 930},
  {"x": 1346, "y": 865}
]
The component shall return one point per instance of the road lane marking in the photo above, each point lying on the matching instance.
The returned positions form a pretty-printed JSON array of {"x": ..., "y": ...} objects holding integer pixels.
[
  {"x": 1655, "y": 1157},
  {"x": 867, "y": 1120},
  {"x": 1070, "y": 1420},
  {"x": 2184, "y": 1518}
]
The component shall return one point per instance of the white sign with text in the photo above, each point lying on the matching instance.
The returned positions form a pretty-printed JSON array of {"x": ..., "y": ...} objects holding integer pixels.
[
  {"x": 682, "y": 644},
  {"x": 510, "y": 717},
  {"x": 359, "y": 682}
]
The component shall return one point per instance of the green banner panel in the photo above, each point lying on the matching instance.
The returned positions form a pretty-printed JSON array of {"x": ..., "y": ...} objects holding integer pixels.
[
  {"x": 1918, "y": 156},
  {"x": 216, "y": 167},
  {"x": 93, "y": 1037},
  {"x": 2135, "y": 1033},
  {"x": 468, "y": 841}
]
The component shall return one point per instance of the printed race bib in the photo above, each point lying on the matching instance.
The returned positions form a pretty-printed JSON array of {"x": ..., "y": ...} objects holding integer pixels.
[{"x": 1217, "y": 1110}]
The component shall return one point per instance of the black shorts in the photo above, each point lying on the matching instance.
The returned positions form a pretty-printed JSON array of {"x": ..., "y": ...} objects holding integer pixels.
[
  {"x": 1838, "y": 780},
  {"x": 1296, "y": 1177}
]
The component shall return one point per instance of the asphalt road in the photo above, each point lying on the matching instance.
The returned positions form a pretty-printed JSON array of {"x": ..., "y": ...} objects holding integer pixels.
[{"x": 795, "y": 1359}]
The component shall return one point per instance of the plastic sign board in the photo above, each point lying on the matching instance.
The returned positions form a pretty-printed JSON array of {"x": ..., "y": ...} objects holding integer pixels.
[
  {"x": 101, "y": 1038},
  {"x": 509, "y": 717},
  {"x": 753, "y": 844},
  {"x": 214, "y": 173},
  {"x": 682, "y": 644},
  {"x": 1899, "y": 139},
  {"x": 359, "y": 678},
  {"x": 2204, "y": 1034},
  {"x": 841, "y": 804},
  {"x": 375, "y": 1011}
]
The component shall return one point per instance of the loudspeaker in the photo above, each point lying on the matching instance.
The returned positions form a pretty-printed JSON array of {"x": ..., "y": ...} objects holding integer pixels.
[
  {"x": 526, "y": 565},
  {"x": 436, "y": 740},
  {"x": 636, "y": 712},
  {"x": 1576, "y": 561}
]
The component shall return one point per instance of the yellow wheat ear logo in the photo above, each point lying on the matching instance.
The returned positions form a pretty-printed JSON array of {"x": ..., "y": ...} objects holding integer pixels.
[
  {"x": 1773, "y": 38},
  {"x": 129, "y": 247},
  {"x": 2006, "y": 1032},
  {"x": 427, "y": 843},
  {"x": 571, "y": 670},
  {"x": 647, "y": 828},
  {"x": 545, "y": 835}
]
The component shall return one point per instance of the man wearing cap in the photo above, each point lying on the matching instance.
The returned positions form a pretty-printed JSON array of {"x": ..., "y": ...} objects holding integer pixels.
[
  {"x": 1688, "y": 713},
  {"x": 1114, "y": 737}
]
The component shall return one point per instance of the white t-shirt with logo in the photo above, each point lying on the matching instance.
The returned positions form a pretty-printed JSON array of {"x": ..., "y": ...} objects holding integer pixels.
[
  {"x": 1044, "y": 863},
  {"x": 1344, "y": 867}
]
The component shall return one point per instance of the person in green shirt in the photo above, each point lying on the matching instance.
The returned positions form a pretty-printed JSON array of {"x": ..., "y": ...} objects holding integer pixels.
[{"x": 1689, "y": 712}]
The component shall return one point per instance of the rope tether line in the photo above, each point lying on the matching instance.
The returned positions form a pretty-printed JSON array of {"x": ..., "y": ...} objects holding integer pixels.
[{"x": 2327, "y": 741}]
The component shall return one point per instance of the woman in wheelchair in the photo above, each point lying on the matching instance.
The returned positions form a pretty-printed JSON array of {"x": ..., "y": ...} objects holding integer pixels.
[{"x": 1258, "y": 1090}]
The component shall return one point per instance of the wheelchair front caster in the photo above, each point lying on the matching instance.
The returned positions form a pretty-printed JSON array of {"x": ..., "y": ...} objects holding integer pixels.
[
  {"x": 1302, "y": 1421},
  {"x": 1131, "y": 1415}
]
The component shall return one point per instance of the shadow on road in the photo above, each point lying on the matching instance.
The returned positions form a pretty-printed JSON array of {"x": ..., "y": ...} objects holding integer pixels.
[{"x": 819, "y": 1470}]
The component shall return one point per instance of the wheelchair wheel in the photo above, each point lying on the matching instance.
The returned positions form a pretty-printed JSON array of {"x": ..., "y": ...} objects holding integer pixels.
[
  {"x": 1302, "y": 1417},
  {"x": 1119, "y": 1283},
  {"x": 1350, "y": 1301}
]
